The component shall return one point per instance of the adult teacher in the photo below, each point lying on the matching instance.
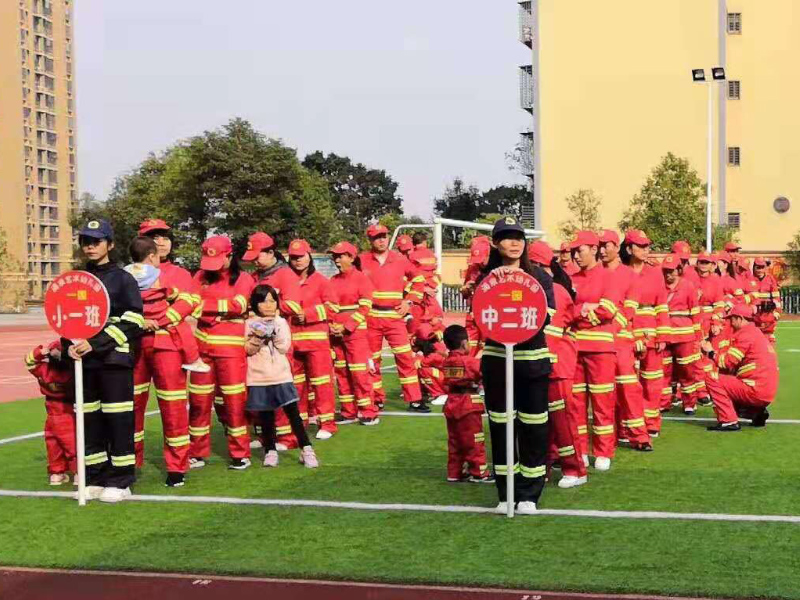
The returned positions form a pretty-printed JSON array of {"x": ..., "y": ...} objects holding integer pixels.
[{"x": 532, "y": 368}]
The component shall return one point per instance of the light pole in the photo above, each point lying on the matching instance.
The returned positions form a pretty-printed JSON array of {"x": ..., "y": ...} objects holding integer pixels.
[{"x": 699, "y": 76}]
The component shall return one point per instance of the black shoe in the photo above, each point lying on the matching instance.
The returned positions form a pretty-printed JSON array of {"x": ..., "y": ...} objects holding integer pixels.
[
  {"x": 239, "y": 464},
  {"x": 487, "y": 479},
  {"x": 175, "y": 480},
  {"x": 340, "y": 420},
  {"x": 724, "y": 427},
  {"x": 705, "y": 401},
  {"x": 645, "y": 447},
  {"x": 760, "y": 420},
  {"x": 369, "y": 421},
  {"x": 379, "y": 405},
  {"x": 664, "y": 411},
  {"x": 419, "y": 407}
]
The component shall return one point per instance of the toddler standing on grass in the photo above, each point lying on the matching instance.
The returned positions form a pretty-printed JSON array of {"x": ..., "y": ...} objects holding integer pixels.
[{"x": 270, "y": 384}]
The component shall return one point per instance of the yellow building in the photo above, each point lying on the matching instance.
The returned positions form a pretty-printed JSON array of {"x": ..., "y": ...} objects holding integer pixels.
[
  {"x": 37, "y": 135},
  {"x": 611, "y": 92}
]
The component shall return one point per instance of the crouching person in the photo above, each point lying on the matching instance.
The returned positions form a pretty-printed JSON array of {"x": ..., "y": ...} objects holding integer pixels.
[{"x": 748, "y": 378}]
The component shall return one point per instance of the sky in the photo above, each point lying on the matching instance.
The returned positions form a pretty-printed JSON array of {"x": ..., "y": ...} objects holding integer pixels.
[{"x": 425, "y": 89}]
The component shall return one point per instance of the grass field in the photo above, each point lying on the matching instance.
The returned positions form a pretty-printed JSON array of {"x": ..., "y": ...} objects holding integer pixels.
[{"x": 403, "y": 461}]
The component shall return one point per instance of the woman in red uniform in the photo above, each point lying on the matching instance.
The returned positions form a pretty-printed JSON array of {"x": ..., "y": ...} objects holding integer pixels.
[
  {"x": 311, "y": 348},
  {"x": 768, "y": 298},
  {"x": 478, "y": 257},
  {"x": 562, "y": 407},
  {"x": 731, "y": 286},
  {"x": 221, "y": 292}
]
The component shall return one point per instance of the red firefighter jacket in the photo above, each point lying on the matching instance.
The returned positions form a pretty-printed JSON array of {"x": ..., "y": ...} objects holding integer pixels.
[
  {"x": 430, "y": 367},
  {"x": 752, "y": 359},
  {"x": 313, "y": 334},
  {"x": 732, "y": 291},
  {"x": 684, "y": 313},
  {"x": 425, "y": 262},
  {"x": 651, "y": 323},
  {"x": 712, "y": 300},
  {"x": 221, "y": 309},
  {"x": 348, "y": 298},
  {"x": 624, "y": 280},
  {"x": 281, "y": 277},
  {"x": 389, "y": 280},
  {"x": 594, "y": 331},
  {"x": 55, "y": 382},
  {"x": 767, "y": 293},
  {"x": 560, "y": 338},
  {"x": 462, "y": 376}
]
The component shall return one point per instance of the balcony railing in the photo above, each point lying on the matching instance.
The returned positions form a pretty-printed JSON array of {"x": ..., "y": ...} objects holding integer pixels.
[
  {"x": 526, "y": 153},
  {"x": 526, "y": 87},
  {"x": 526, "y": 23}
]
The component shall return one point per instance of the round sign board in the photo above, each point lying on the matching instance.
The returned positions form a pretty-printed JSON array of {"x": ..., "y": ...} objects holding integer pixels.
[
  {"x": 509, "y": 308},
  {"x": 76, "y": 305}
]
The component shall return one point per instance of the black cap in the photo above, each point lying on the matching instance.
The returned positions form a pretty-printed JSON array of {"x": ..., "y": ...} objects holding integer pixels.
[
  {"x": 98, "y": 229},
  {"x": 505, "y": 225}
]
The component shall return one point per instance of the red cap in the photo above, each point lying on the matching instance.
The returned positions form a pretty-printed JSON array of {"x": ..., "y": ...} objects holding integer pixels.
[
  {"x": 424, "y": 332},
  {"x": 344, "y": 248},
  {"x": 705, "y": 256},
  {"x": 299, "y": 248},
  {"x": 741, "y": 310},
  {"x": 377, "y": 229},
  {"x": 54, "y": 346},
  {"x": 153, "y": 225},
  {"x": 732, "y": 247},
  {"x": 564, "y": 247},
  {"x": 743, "y": 264},
  {"x": 479, "y": 254},
  {"x": 724, "y": 256},
  {"x": 609, "y": 235},
  {"x": 256, "y": 243},
  {"x": 638, "y": 237},
  {"x": 671, "y": 262},
  {"x": 541, "y": 253},
  {"x": 404, "y": 243},
  {"x": 215, "y": 249},
  {"x": 682, "y": 249},
  {"x": 584, "y": 238},
  {"x": 760, "y": 262}
]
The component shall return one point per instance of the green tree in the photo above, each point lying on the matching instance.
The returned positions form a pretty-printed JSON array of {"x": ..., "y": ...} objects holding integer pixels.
[
  {"x": 467, "y": 203},
  {"x": 793, "y": 256},
  {"x": 13, "y": 289},
  {"x": 671, "y": 206},
  {"x": 584, "y": 206},
  {"x": 360, "y": 194},
  {"x": 392, "y": 220}
]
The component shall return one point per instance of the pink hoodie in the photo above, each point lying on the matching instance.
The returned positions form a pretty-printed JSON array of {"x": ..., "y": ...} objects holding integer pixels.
[{"x": 267, "y": 363}]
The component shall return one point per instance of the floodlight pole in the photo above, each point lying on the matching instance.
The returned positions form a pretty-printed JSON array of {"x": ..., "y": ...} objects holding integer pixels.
[{"x": 710, "y": 167}]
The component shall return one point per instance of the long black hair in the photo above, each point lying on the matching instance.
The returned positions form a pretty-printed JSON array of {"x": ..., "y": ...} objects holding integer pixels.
[
  {"x": 561, "y": 277},
  {"x": 259, "y": 294},
  {"x": 625, "y": 254},
  {"x": 167, "y": 233},
  {"x": 311, "y": 268},
  {"x": 495, "y": 261},
  {"x": 233, "y": 272}
]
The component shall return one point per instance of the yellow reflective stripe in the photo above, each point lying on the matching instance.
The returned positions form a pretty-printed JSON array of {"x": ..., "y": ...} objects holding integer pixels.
[
  {"x": 634, "y": 422},
  {"x": 736, "y": 352},
  {"x": 578, "y": 388},
  {"x": 138, "y": 436},
  {"x": 132, "y": 317},
  {"x": 141, "y": 388},
  {"x": 652, "y": 413},
  {"x": 500, "y": 417},
  {"x": 96, "y": 459},
  {"x": 346, "y": 399},
  {"x": 594, "y": 336},
  {"x": 532, "y": 418},
  {"x": 340, "y": 364},
  {"x": 554, "y": 331},
  {"x": 388, "y": 295},
  {"x": 359, "y": 318},
  {"x": 199, "y": 431},
  {"x": 532, "y": 472},
  {"x": 688, "y": 360},
  {"x": 126, "y": 460},
  {"x": 651, "y": 374},
  {"x": 601, "y": 388},
  {"x": 556, "y": 405},
  {"x": 236, "y": 388},
  {"x": 91, "y": 406},
  {"x": 566, "y": 451},
  {"x": 219, "y": 340},
  {"x": 177, "y": 442},
  {"x": 321, "y": 314},
  {"x": 309, "y": 335},
  {"x": 661, "y": 308},
  {"x": 171, "y": 395},
  {"x": 583, "y": 429},
  {"x": 363, "y": 402},
  {"x": 196, "y": 388},
  {"x": 746, "y": 368},
  {"x": 298, "y": 379},
  {"x": 627, "y": 379},
  {"x": 116, "y": 333},
  {"x": 401, "y": 349},
  {"x": 116, "y": 407},
  {"x": 480, "y": 437},
  {"x": 173, "y": 315},
  {"x": 237, "y": 431},
  {"x": 503, "y": 469},
  {"x": 222, "y": 305},
  {"x": 602, "y": 429},
  {"x": 320, "y": 380},
  {"x": 384, "y": 314},
  {"x": 409, "y": 380},
  {"x": 365, "y": 302},
  {"x": 631, "y": 304},
  {"x": 242, "y": 302},
  {"x": 593, "y": 318}
]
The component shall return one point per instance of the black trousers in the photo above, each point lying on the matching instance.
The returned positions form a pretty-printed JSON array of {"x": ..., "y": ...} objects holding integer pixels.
[
  {"x": 530, "y": 426},
  {"x": 109, "y": 422},
  {"x": 267, "y": 419}
]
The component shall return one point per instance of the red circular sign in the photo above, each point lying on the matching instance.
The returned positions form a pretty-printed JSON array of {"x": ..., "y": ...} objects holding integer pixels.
[
  {"x": 76, "y": 305},
  {"x": 509, "y": 308}
]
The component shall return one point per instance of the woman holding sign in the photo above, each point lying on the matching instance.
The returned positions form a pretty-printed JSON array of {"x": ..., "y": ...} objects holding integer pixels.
[{"x": 531, "y": 369}]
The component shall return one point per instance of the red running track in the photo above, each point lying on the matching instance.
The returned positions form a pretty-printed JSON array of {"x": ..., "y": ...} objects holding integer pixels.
[
  {"x": 15, "y": 342},
  {"x": 32, "y": 584}
]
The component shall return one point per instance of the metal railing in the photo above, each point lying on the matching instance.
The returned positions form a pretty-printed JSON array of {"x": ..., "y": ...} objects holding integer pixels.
[
  {"x": 526, "y": 23},
  {"x": 526, "y": 87},
  {"x": 790, "y": 300},
  {"x": 452, "y": 300}
]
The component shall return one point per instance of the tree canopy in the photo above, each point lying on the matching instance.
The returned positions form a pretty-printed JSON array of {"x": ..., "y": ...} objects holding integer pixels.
[{"x": 584, "y": 206}]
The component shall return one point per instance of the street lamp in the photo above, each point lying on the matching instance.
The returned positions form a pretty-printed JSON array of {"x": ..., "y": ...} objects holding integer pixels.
[{"x": 699, "y": 76}]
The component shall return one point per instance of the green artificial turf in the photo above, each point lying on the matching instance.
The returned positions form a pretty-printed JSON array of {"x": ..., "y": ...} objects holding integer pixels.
[{"x": 403, "y": 460}]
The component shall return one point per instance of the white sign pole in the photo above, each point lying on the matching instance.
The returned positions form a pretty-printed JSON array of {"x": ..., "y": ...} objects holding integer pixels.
[
  {"x": 510, "y": 445},
  {"x": 80, "y": 435}
]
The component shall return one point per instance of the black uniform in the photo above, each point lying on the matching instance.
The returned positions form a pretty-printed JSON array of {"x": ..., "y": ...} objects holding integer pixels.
[
  {"x": 108, "y": 383},
  {"x": 532, "y": 368}
]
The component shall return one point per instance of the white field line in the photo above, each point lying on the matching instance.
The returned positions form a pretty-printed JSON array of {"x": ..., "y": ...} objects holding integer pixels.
[
  {"x": 367, "y": 506},
  {"x": 390, "y": 413},
  {"x": 30, "y": 436}
]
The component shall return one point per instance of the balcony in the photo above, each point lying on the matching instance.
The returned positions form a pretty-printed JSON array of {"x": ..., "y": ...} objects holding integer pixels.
[
  {"x": 526, "y": 23},
  {"x": 526, "y": 88},
  {"x": 526, "y": 153}
]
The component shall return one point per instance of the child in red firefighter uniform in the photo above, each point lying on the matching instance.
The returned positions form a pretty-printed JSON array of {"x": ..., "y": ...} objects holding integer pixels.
[
  {"x": 430, "y": 364},
  {"x": 768, "y": 300},
  {"x": 55, "y": 382},
  {"x": 463, "y": 410}
]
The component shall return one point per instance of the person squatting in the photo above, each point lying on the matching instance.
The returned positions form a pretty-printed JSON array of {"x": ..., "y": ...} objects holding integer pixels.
[{"x": 270, "y": 351}]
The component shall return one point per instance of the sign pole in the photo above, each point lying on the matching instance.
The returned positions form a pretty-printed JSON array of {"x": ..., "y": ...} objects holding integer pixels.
[
  {"x": 510, "y": 430},
  {"x": 80, "y": 434}
]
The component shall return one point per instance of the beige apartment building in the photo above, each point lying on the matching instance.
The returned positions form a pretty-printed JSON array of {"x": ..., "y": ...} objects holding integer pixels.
[
  {"x": 37, "y": 136},
  {"x": 610, "y": 90}
]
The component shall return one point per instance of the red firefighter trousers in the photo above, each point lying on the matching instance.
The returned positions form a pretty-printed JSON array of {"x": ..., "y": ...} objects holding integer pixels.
[
  {"x": 394, "y": 330},
  {"x": 466, "y": 444},
  {"x": 164, "y": 368},
  {"x": 732, "y": 396},
  {"x": 564, "y": 418},
  {"x": 594, "y": 382},
  {"x": 59, "y": 437},
  {"x": 630, "y": 397},
  {"x": 651, "y": 374},
  {"x": 228, "y": 375},
  {"x": 353, "y": 378},
  {"x": 683, "y": 360},
  {"x": 431, "y": 381}
]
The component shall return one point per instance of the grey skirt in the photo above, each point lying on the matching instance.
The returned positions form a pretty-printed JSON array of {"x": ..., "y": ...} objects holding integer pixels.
[{"x": 270, "y": 397}]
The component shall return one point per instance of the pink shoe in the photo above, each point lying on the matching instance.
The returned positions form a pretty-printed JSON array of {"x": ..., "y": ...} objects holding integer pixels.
[
  {"x": 309, "y": 458},
  {"x": 271, "y": 459}
]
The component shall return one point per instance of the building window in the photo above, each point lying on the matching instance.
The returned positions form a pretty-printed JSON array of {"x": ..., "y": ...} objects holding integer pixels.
[
  {"x": 735, "y": 23},
  {"x": 734, "y": 90},
  {"x": 734, "y": 220},
  {"x": 734, "y": 156}
]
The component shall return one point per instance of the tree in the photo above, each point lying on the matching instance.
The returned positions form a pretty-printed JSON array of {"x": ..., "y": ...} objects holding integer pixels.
[
  {"x": 392, "y": 220},
  {"x": 671, "y": 206},
  {"x": 359, "y": 194},
  {"x": 13, "y": 289},
  {"x": 467, "y": 203},
  {"x": 584, "y": 205},
  {"x": 793, "y": 256}
]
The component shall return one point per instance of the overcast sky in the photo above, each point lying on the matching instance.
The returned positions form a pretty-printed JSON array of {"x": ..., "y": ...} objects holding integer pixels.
[{"x": 426, "y": 89}]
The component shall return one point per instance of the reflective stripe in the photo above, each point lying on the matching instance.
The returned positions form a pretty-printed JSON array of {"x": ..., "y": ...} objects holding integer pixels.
[
  {"x": 634, "y": 422},
  {"x": 566, "y": 451},
  {"x": 602, "y": 429},
  {"x": 579, "y": 388},
  {"x": 177, "y": 442},
  {"x": 116, "y": 333},
  {"x": 133, "y": 317},
  {"x": 363, "y": 402},
  {"x": 651, "y": 374},
  {"x": 298, "y": 379},
  {"x": 229, "y": 390},
  {"x": 242, "y": 301},
  {"x": 236, "y": 431},
  {"x": 294, "y": 307},
  {"x": 340, "y": 364},
  {"x": 91, "y": 406},
  {"x": 532, "y": 418},
  {"x": 500, "y": 417},
  {"x": 356, "y": 367},
  {"x": 196, "y": 388},
  {"x": 138, "y": 436},
  {"x": 583, "y": 429},
  {"x": 539, "y": 354},
  {"x": 174, "y": 316},
  {"x": 321, "y": 314},
  {"x": 594, "y": 336},
  {"x": 309, "y": 335},
  {"x": 401, "y": 349},
  {"x": 688, "y": 360},
  {"x": 532, "y": 472},
  {"x": 320, "y": 380},
  {"x": 601, "y": 388},
  {"x": 96, "y": 459},
  {"x": 126, "y": 460},
  {"x": 503, "y": 469},
  {"x": 480, "y": 437},
  {"x": 746, "y": 368},
  {"x": 556, "y": 405},
  {"x": 222, "y": 306},
  {"x": 116, "y": 407},
  {"x": 141, "y": 388},
  {"x": 652, "y": 413},
  {"x": 171, "y": 395},
  {"x": 409, "y": 380},
  {"x": 346, "y": 399},
  {"x": 199, "y": 431},
  {"x": 388, "y": 295},
  {"x": 384, "y": 314},
  {"x": 627, "y": 379}
]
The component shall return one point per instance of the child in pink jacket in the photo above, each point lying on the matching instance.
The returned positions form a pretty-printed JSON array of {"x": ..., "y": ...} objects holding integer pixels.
[{"x": 270, "y": 384}]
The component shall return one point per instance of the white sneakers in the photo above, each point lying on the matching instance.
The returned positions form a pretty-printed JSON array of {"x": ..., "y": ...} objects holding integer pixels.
[
  {"x": 501, "y": 508},
  {"x": 571, "y": 481},
  {"x": 439, "y": 401},
  {"x": 93, "y": 492},
  {"x": 324, "y": 434},
  {"x": 280, "y": 447},
  {"x": 309, "y": 458},
  {"x": 59, "y": 478},
  {"x": 526, "y": 508},
  {"x": 271, "y": 459},
  {"x": 197, "y": 366},
  {"x": 255, "y": 444},
  {"x": 602, "y": 463},
  {"x": 196, "y": 463},
  {"x": 113, "y": 495}
]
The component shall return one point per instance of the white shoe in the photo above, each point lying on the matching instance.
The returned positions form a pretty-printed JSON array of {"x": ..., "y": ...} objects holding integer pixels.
[
  {"x": 585, "y": 460},
  {"x": 501, "y": 508},
  {"x": 623, "y": 441},
  {"x": 93, "y": 492},
  {"x": 602, "y": 463},
  {"x": 271, "y": 459},
  {"x": 59, "y": 478},
  {"x": 688, "y": 412},
  {"x": 526, "y": 508},
  {"x": 255, "y": 444},
  {"x": 281, "y": 447},
  {"x": 196, "y": 463},
  {"x": 113, "y": 495},
  {"x": 313, "y": 420},
  {"x": 571, "y": 481},
  {"x": 323, "y": 434},
  {"x": 439, "y": 401},
  {"x": 197, "y": 366}
]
